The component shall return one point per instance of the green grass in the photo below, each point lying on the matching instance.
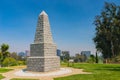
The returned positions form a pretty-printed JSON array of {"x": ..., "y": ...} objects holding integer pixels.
[
  {"x": 22, "y": 79},
  {"x": 1, "y": 77},
  {"x": 3, "y": 70},
  {"x": 99, "y": 72}
]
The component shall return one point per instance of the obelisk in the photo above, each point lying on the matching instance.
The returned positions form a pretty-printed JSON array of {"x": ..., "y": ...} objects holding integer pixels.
[{"x": 43, "y": 51}]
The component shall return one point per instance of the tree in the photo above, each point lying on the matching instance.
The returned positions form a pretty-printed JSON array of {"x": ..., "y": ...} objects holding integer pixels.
[
  {"x": 84, "y": 58},
  {"x": 14, "y": 55},
  {"x": 4, "y": 52},
  {"x": 96, "y": 57},
  {"x": 91, "y": 59},
  {"x": 78, "y": 58},
  {"x": 65, "y": 55},
  {"x": 9, "y": 62},
  {"x": 107, "y": 39}
]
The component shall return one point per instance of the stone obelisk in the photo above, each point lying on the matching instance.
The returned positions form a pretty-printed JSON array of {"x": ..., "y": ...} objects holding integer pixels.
[{"x": 43, "y": 51}]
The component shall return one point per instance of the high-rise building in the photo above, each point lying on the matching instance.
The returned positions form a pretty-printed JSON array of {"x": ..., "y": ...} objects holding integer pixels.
[
  {"x": 59, "y": 52},
  {"x": 22, "y": 54},
  {"x": 27, "y": 52}
]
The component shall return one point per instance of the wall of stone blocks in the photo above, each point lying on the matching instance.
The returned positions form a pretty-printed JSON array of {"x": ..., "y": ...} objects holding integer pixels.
[
  {"x": 43, "y": 32},
  {"x": 35, "y": 64},
  {"x": 37, "y": 49},
  {"x": 50, "y": 49},
  {"x": 43, "y": 55},
  {"x": 52, "y": 64},
  {"x": 43, "y": 64},
  {"x": 43, "y": 49}
]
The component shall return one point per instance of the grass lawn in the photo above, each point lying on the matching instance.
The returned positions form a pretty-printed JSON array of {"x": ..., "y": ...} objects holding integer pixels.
[
  {"x": 18, "y": 67},
  {"x": 22, "y": 79},
  {"x": 3, "y": 70},
  {"x": 1, "y": 77},
  {"x": 99, "y": 72}
]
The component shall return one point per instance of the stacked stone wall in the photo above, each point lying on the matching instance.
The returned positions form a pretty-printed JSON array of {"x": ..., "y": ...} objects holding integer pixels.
[
  {"x": 43, "y": 64},
  {"x": 43, "y": 52}
]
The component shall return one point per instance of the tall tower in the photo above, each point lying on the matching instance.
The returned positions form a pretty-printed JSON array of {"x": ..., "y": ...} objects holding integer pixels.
[{"x": 43, "y": 51}]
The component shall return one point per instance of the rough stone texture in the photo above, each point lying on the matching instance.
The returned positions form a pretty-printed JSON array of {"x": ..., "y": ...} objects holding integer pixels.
[
  {"x": 43, "y": 64},
  {"x": 43, "y": 32},
  {"x": 43, "y": 51}
]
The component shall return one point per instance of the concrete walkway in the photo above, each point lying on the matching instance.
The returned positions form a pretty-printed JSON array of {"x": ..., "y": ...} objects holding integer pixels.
[{"x": 12, "y": 74}]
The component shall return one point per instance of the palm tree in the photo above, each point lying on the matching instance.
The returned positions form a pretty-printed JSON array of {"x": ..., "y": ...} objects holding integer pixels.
[{"x": 4, "y": 52}]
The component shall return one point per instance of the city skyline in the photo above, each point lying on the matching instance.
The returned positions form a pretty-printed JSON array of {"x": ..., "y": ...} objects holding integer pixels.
[{"x": 71, "y": 23}]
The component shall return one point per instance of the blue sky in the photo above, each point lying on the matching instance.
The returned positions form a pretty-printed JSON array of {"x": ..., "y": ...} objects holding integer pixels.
[{"x": 71, "y": 22}]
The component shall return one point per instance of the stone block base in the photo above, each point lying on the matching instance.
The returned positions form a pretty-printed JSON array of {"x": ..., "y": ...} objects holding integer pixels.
[{"x": 43, "y": 64}]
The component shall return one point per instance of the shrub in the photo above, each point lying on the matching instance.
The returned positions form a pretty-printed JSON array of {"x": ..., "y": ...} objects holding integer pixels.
[
  {"x": 21, "y": 62},
  {"x": 9, "y": 62}
]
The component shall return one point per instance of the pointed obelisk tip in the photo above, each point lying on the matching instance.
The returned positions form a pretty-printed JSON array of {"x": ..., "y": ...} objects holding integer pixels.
[{"x": 43, "y": 13}]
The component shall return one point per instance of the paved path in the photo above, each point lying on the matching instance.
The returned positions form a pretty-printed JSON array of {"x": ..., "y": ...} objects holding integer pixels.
[{"x": 11, "y": 74}]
